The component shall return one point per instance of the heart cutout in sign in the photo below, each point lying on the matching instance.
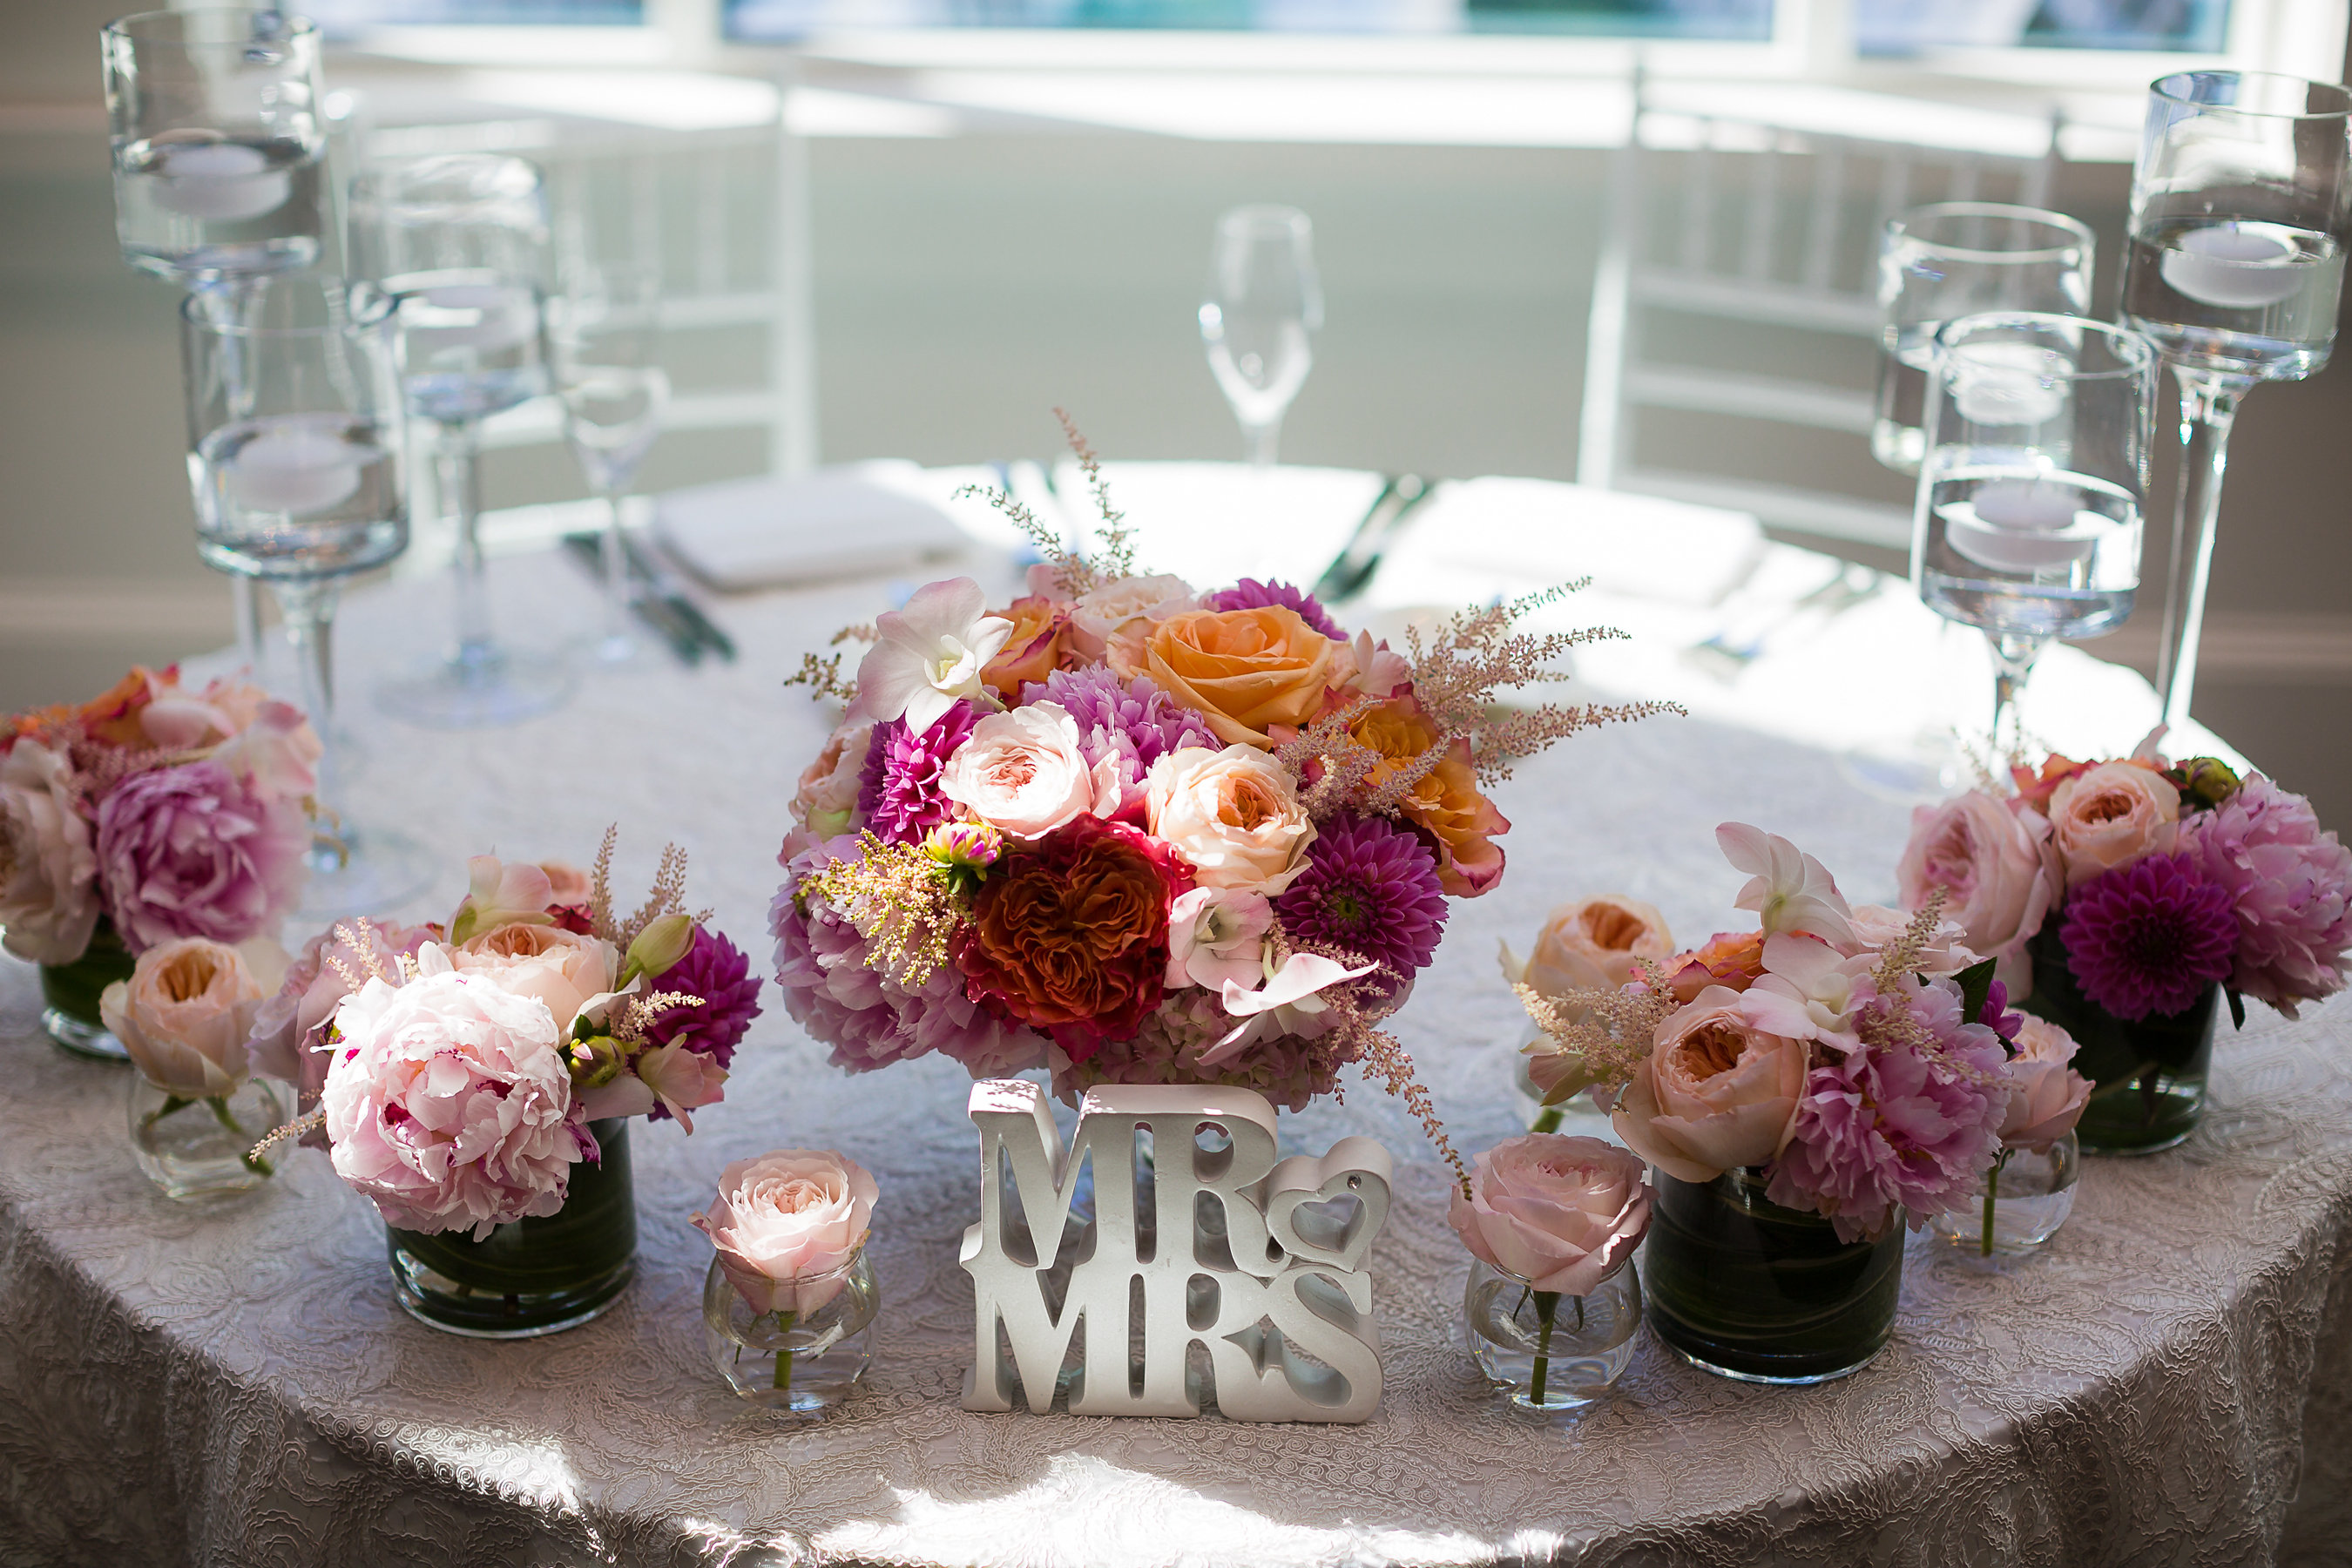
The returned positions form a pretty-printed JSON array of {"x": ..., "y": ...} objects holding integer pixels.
[{"x": 1307, "y": 1209}]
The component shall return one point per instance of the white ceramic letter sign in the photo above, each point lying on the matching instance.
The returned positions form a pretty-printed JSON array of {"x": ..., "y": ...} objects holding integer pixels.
[{"x": 1259, "y": 1264}]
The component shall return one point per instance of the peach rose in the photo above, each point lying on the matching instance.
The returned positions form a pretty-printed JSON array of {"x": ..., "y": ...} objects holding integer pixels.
[
  {"x": 184, "y": 1015},
  {"x": 1719, "y": 1088},
  {"x": 1592, "y": 945},
  {"x": 1233, "y": 814},
  {"x": 1445, "y": 802},
  {"x": 1562, "y": 1213},
  {"x": 561, "y": 968},
  {"x": 2045, "y": 1096},
  {"x": 1244, "y": 670},
  {"x": 827, "y": 795},
  {"x": 2111, "y": 816},
  {"x": 1041, "y": 634},
  {"x": 1988, "y": 860},
  {"x": 786, "y": 1223}
]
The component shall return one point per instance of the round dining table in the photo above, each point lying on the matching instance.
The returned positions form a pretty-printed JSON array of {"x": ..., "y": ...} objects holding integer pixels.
[{"x": 2169, "y": 1381}]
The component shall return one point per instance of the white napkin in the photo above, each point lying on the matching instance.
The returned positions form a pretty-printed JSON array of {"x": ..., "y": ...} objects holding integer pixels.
[
  {"x": 764, "y": 533},
  {"x": 1211, "y": 523}
]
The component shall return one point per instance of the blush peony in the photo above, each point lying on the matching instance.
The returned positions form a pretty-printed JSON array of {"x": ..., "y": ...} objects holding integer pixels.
[
  {"x": 1562, "y": 1213},
  {"x": 786, "y": 1225},
  {"x": 49, "y": 865},
  {"x": 194, "y": 851},
  {"x": 290, "y": 1026}
]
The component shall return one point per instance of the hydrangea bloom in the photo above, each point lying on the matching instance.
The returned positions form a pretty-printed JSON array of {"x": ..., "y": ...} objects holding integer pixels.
[
  {"x": 1369, "y": 887},
  {"x": 898, "y": 793},
  {"x": 2290, "y": 886},
  {"x": 1249, "y": 594},
  {"x": 1133, "y": 722},
  {"x": 2149, "y": 937}
]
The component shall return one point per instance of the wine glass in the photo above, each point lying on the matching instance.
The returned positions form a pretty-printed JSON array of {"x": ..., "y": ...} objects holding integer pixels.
[
  {"x": 2027, "y": 518},
  {"x": 1264, "y": 301},
  {"x": 294, "y": 436},
  {"x": 2239, "y": 215},
  {"x": 460, "y": 240},
  {"x": 607, "y": 345},
  {"x": 219, "y": 149},
  {"x": 1962, "y": 258}
]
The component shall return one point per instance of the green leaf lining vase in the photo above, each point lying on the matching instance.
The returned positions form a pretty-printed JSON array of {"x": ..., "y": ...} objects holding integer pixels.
[
  {"x": 70, "y": 993},
  {"x": 2148, "y": 1076}
]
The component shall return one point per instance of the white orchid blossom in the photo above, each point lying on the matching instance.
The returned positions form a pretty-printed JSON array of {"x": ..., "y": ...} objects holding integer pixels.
[
  {"x": 1818, "y": 980},
  {"x": 1791, "y": 890},
  {"x": 929, "y": 656},
  {"x": 1287, "y": 1004}
]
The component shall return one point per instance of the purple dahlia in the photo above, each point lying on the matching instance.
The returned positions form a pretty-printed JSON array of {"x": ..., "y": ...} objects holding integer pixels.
[
  {"x": 898, "y": 793},
  {"x": 2290, "y": 885},
  {"x": 720, "y": 974},
  {"x": 1369, "y": 887},
  {"x": 2149, "y": 937},
  {"x": 1249, "y": 594}
]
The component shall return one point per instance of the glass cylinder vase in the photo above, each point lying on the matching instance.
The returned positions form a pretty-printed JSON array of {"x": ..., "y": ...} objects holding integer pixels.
[
  {"x": 1545, "y": 1351},
  {"x": 2028, "y": 1193},
  {"x": 199, "y": 1147},
  {"x": 530, "y": 1277},
  {"x": 2147, "y": 1075},
  {"x": 804, "y": 1355},
  {"x": 70, "y": 993},
  {"x": 1739, "y": 1286}
]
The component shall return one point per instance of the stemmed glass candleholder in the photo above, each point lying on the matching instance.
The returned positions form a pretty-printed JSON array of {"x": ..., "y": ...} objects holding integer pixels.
[
  {"x": 607, "y": 345},
  {"x": 219, "y": 152},
  {"x": 2027, "y": 518},
  {"x": 2240, "y": 211},
  {"x": 1264, "y": 303},
  {"x": 459, "y": 241},
  {"x": 294, "y": 436}
]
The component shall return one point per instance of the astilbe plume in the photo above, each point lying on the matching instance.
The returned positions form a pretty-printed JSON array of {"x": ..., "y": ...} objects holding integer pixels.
[
  {"x": 1611, "y": 1033},
  {"x": 1074, "y": 572},
  {"x": 668, "y": 897},
  {"x": 896, "y": 897}
]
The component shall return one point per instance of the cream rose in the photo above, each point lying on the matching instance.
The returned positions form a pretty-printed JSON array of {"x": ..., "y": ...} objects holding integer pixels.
[
  {"x": 561, "y": 968},
  {"x": 1112, "y": 623},
  {"x": 786, "y": 1223},
  {"x": 184, "y": 1015},
  {"x": 48, "y": 862},
  {"x": 1719, "y": 1088},
  {"x": 1562, "y": 1213},
  {"x": 2111, "y": 816},
  {"x": 1988, "y": 858},
  {"x": 1592, "y": 945},
  {"x": 2045, "y": 1096},
  {"x": 1022, "y": 771},
  {"x": 1233, "y": 814}
]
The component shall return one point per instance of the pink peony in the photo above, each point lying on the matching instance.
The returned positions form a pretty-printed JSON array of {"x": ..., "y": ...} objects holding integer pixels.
[
  {"x": 2290, "y": 886},
  {"x": 449, "y": 1102},
  {"x": 48, "y": 867},
  {"x": 1562, "y": 1213},
  {"x": 786, "y": 1225},
  {"x": 1989, "y": 859},
  {"x": 290, "y": 1026},
  {"x": 195, "y": 851}
]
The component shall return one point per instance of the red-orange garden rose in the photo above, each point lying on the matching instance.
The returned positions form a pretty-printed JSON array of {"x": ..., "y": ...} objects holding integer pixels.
[{"x": 1069, "y": 935}]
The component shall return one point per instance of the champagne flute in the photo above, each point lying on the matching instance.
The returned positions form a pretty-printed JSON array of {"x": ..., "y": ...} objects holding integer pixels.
[
  {"x": 460, "y": 240},
  {"x": 1264, "y": 303},
  {"x": 608, "y": 346},
  {"x": 295, "y": 457},
  {"x": 1962, "y": 258},
  {"x": 2239, "y": 210},
  {"x": 2027, "y": 518}
]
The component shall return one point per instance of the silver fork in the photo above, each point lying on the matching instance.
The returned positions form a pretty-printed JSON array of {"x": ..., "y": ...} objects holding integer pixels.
[{"x": 1725, "y": 657}]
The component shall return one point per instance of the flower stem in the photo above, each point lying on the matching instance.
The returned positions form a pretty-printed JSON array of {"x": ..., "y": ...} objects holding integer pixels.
[
  {"x": 1547, "y": 1303},
  {"x": 784, "y": 1378},
  {"x": 1992, "y": 1186},
  {"x": 1547, "y": 1120},
  {"x": 253, "y": 1161},
  {"x": 172, "y": 1102}
]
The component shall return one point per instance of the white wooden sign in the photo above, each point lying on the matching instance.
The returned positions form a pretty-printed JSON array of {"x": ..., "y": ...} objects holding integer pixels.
[{"x": 1278, "y": 1297}]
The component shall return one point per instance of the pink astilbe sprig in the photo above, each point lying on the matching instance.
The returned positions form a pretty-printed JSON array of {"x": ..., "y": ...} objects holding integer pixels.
[
  {"x": 668, "y": 897},
  {"x": 1609, "y": 1033},
  {"x": 1076, "y": 571},
  {"x": 1331, "y": 765}
]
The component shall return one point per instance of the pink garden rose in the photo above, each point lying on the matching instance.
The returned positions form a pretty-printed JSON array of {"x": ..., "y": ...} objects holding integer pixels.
[
  {"x": 183, "y": 1014},
  {"x": 826, "y": 799},
  {"x": 787, "y": 1224},
  {"x": 449, "y": 1101},
  {"x": 2111, "y": 816},
  {"x": 49, "y": 865},
  {"x": 1111, "y": 622},
  {"x": 563, "y": 969},
  {"x": 1022, "y": 772},
  {"x": 2045, "y": 1096},
  {"x": 290, "y": 1026},
  {"x": 197, "y": 851},
  {"x": 1563, "y": 1213},
  {"x": 1719, "y": 1088},
  {"x": 1989, "y": 859}
]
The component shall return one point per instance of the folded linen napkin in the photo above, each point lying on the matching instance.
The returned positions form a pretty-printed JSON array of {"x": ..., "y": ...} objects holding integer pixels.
[{"x": 863, "y": 519}]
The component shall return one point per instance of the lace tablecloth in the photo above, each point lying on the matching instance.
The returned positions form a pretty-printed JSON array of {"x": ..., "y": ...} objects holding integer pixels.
[{"x": 2170, "y": 1382}]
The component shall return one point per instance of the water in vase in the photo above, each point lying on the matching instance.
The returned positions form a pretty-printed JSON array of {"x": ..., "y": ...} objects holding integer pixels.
[
  {"x": 2033, "y": 552},
  {"x": 190, "y": 205},
  {"x": 297, "y": 495},
  {"x": 1897, "y": 436},
  {"x": 472, "y": 344},
  {"x": 2245, "y": 299}
]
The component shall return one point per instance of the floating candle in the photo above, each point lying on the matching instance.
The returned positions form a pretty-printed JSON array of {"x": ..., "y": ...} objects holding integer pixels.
[
  {"x": 2233, "y": 266},
  {"x": 2025, "y": 526},
  {"x": 2006, "y": 384},
  {"x": 297, "y": 465},
  {"x": 483, "y": 318},
  {"x": 222, "y": 181}
]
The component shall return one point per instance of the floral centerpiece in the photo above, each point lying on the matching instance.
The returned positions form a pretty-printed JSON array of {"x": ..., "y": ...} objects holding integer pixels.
[
  {"x": 2126, "y": 899},
  {"x": 1801, "y": 1090},
  {"x": 152, "y": 813},
  {"x": 473, "y": 1079},
  {"x": 1136, "y": 832}
]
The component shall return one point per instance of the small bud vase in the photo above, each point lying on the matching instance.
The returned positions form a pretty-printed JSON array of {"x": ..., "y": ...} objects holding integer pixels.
[
  {"x": 806, "y": 1362},
  {"x": 2147, "y": 1075},
  {"x": 2028, "y": 1195},
  {"x": 199, "y": 1149},
  {"x": 70, "y": 993},
  {"x": 1546, "y": 1351}
]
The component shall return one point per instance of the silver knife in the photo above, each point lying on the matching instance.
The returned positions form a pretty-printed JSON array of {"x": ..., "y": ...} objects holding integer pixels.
[
  {"x": 1355, "y": 564},
  {"x": 665, "y": 589},
  {"x": 588, "y": 548}
]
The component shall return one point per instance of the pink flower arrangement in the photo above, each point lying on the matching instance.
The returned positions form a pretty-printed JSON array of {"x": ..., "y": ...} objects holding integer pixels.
[
  {"x": 165, "y": 812},
  {"x": 457, "y": 1068},
  {"x": 785, "y": 1225},
  {"x": 1137, "y": 833}
]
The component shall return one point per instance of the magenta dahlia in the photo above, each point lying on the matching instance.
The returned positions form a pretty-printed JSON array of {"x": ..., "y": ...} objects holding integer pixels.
[
  {"x": 1369, "y": 887},
  {"x": 2148, "y": 937},
  {"x": 2290, "y": 885},
  {"x": 1249, "y": 594},
  {"x": 898, "y": 793},
  {"x": 718, "y": 972}
]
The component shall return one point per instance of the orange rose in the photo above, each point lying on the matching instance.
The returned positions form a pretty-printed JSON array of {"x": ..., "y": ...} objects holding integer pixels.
[
  {"x": 1730, "y": 958},
  {"x": 1041, "y": 633},
  {"x": 1244, "y": 670},
  {"x": 1445, "y": 801}
]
